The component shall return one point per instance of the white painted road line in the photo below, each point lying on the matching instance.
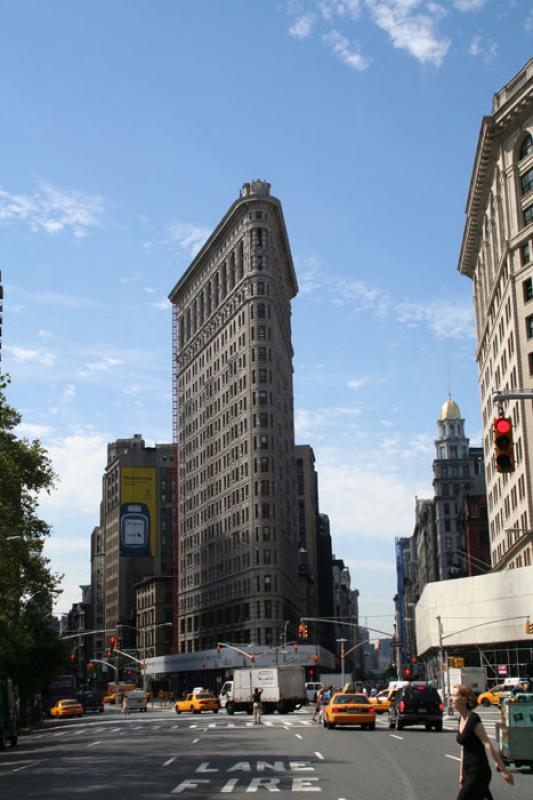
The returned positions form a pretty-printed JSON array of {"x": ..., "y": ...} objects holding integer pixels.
[
  {"x": 298, "y": 736},
  {"x": 455, "y": 758},
  {"x": 93, "y": 744},
  {"x": 393, "y": 736},
  {"x": 18, "y": 769},
  {"x": 319, "y": 755},
  {"x": 195, "y": 740},
  {"x": 170, "y": 760}
]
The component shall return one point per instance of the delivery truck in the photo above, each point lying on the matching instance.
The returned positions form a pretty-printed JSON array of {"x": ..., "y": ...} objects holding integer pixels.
[
  {"x": 476, "y": 677},
  {"x": 283, "y": 689}
]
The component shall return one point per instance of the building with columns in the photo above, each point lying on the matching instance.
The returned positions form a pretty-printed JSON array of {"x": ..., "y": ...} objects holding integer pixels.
[
  {"x": 236, "y": 561},
  {"x": 497, "y": 256}
]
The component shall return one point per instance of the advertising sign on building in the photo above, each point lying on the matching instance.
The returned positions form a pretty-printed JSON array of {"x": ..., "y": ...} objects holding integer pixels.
[
  {"x": 502, "y": 669},
  {"x": 138, "y": 512}
]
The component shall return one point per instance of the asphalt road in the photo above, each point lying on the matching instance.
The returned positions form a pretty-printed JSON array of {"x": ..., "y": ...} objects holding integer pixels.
[{"x": 159, "y": 755}]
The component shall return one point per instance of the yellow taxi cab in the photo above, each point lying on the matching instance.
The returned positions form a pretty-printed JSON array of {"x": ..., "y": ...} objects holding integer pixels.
[
  {"x": 67, "y": 708},
  {"x": 382, "y": 700},
  {"x": 349, "y": 709},
  {"x": 198, "y": 702},
  {"x": 492, "y": 696}
]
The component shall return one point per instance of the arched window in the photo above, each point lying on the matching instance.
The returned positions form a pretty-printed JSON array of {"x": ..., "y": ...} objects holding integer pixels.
[{"x": 526, "y": 147}]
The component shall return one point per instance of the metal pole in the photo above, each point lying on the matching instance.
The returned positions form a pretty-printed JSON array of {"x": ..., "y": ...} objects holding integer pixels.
[{"x": 441, "y": 650}]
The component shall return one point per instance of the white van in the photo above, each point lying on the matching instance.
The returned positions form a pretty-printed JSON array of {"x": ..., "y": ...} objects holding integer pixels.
[{"x": 136, "y": 700}]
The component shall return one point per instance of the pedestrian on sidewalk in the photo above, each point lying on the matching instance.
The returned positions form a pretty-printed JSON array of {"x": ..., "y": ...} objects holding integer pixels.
[
  {"x": 318, "y": 703},
  {"x": 125, "y": 705},
  {"x": 257, "y": 706},
  {"x": 474, "y": 771}
]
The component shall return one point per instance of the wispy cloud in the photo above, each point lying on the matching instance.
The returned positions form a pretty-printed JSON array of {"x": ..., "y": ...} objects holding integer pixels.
[
  {"x": 358, "y": 383},
  {"x": 339, "y": 8},
  {"x": 186, "y": 236},
  {"x": 487, "y": 49},
  {"x": 161, "y": 305},
  {"x": 52, "y": 210},
  {"x": 69, "y": 392},
  {"x": 469, "y": 5},
  {"x": 411, "y": 30},
  {"x": 302, "y": 26},
  {"x": 102, "y": 365},
  {"x": 32, "y": 431},
  {"x": 26, "y": 355},
  {"x": 347, "y": 52}
]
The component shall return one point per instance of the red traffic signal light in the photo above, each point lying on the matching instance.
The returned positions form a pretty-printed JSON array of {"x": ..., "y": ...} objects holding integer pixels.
[
  {"x": 113, "y": 641},
  {"x": 315, "y": 659},
  {"x": 108, "y": 653},
  {"x": 503, "y": 444},
  {"x": 90, "y": 665},
  {"x": 407, "y": 672},
  {"x": 72, "y": 657}
]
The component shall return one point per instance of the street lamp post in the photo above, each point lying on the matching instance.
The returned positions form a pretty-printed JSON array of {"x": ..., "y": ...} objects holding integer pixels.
[{"x": 343, "y": 655}]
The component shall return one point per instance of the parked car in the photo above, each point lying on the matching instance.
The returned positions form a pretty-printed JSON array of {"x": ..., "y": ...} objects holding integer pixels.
[
  {"x": 416, "y": 704},
  {"x": 202, "y": 701},
  {"x": 349, "y": 709},
  {"x": 66, "y": 708}
]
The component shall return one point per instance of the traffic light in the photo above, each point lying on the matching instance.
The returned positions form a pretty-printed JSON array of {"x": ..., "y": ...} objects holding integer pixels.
[
  {"x": 407, "y": 673},
  {"x": 529, "y": 627},
  {"x": 90, "y": 666},
  {"x": 72, "y": 657},
  {"x": 503, "y": 444},
  {"x": 112, "y": 641},
  {"x": 315, "y": 659},
  {"x": 108, "y": 652},
  {"x": 303, "y": 631}
]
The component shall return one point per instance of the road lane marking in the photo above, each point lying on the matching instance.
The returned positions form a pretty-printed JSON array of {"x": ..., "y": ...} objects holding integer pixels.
[
  {"x": 195, "y": 740},
  {"x": 93, "y": 744},
  {"x": 170, "y": 760},
  {"x": 193, "y": 726},
  {"x": 319, "y": 755},
  {"x": 18, "y": 769},
  {"x": 455, "y": 758},
  {"x": 114, "y": 729},
  {"x": 393, "y": 736},
  {"x": 298, "y": 736}
]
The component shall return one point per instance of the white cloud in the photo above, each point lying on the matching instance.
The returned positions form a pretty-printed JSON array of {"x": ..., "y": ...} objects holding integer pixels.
[
  {"x": 162, "y": 305},
  {"x": 468, "y": 5},
  {"x": 187, "y": 236},
  {"x": 358, "y": 383},
  {"x": 24, "y": 355},
  {"x": 32, "y": 430},
  {"x": 409, "y": 30},
  {"x": 341, "y": 47},
  {"x": 528, "y": 22},
  {"x": 103, "y": 365},
  {"x": 302, "y": 27},
  {"x": 53, "y": 210},
  {"x": 44, "y": 334},
  {"x": 486, "y": 49},
  {"x": 79, "y": 461},
  {"x": 69, "y": 392},
  {"x": 339, "y": 8}
]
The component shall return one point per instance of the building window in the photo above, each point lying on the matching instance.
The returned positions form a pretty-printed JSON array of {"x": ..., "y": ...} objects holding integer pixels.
[
  {"x": 529, "y": 326},
  {"x": 528, "y": 215},
  {"x": 527, "y": 287},
  {"x": 526, "y": 182},
  {"x": 526, "y": 147},
  {"x": 263, "y": 442},
  {"x": 530, "y": 361},
  {"x": 525, "y": 254}
]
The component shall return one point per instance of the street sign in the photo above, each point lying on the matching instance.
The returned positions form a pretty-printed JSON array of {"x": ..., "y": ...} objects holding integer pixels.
[{"x": 502, "y": 669}]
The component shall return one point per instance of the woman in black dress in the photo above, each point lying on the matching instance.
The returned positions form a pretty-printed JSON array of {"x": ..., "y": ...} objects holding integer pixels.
[{"x": 474, "y": 773}]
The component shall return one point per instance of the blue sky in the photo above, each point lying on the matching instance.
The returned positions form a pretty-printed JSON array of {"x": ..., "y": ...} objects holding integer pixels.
[{"x": 127, "y": 130}]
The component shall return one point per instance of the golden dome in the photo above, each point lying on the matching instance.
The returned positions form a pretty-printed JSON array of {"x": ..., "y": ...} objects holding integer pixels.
[{"x": 450, "y": 410}]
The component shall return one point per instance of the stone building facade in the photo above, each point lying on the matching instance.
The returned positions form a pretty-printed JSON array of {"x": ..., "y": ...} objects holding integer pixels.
[
  {"x": 236, "y": 563},
  {"x": 497, "y": 255}
]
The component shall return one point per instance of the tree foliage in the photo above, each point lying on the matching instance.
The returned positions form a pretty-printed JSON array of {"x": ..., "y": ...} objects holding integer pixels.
[{"x": 30, "y": 650}]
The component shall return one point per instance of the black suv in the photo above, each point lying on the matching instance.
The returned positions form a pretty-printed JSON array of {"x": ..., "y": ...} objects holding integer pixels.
[{"x": 416, "y": 704}]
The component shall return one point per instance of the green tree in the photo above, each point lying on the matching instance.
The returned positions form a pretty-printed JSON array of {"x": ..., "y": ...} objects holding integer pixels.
[{"x": 30, "y": 650}]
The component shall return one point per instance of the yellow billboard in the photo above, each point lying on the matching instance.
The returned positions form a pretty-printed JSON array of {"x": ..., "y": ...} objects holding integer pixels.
[{"x": 138, "y": 511}]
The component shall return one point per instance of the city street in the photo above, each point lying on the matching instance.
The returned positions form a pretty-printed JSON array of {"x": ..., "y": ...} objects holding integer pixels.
[{"x": 158, "y": 754}]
